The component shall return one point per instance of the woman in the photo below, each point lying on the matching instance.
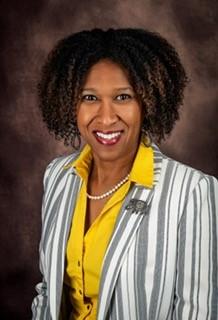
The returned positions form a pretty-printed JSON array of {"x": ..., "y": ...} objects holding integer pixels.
[{"x": 127, "y": 233}]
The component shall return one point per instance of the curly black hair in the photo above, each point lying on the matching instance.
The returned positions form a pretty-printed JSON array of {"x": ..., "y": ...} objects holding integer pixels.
[{"x": 154, "y": 68}]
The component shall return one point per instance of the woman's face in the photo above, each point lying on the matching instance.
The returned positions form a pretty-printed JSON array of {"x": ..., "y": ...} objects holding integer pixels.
[{"x": 109, "y": 117}]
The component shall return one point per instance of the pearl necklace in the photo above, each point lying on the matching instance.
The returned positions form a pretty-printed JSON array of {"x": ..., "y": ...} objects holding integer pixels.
[{"x": 108, "y": 193}]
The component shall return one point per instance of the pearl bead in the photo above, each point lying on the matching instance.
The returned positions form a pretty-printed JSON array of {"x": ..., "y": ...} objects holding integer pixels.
[{"x": 106, "y": 194}]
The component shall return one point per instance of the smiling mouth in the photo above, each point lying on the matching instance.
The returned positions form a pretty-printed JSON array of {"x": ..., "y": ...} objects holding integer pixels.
[{"x": 108, "y": 138}]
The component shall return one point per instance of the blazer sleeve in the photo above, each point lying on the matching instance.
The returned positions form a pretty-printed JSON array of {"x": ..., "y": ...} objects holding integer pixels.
[
  {"x": 40, "y": 307},
  {"x": 196, "y": 293}
]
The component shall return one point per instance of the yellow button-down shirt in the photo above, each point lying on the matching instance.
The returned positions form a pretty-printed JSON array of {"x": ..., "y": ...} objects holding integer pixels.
[{"x": 85, "y": 252}]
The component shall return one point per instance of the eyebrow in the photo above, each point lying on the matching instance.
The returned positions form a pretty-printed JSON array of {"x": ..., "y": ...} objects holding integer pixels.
[{"x": 117, "y": 89}]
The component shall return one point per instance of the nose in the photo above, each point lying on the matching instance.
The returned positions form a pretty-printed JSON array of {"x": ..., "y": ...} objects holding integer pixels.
[{"x": 107, "y": 114}]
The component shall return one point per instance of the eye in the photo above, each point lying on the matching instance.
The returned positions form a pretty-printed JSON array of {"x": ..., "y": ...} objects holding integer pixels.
[
  {"x": 89, "y": 97},
  {"x": 123, "y": 97}
]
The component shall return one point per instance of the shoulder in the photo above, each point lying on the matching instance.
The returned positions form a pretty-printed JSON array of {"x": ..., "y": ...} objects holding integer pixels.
[
  {"x": 59, "y": 166},
  {"x": 180, "y": 177},
  {"x": 180, "y": 187},
  {"x": 185, "y": 169}
]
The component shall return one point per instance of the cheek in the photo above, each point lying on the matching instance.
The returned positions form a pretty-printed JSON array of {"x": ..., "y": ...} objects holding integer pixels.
[
  {"x": 134, "y": 117},
  {"x": 83, "y": 117}
]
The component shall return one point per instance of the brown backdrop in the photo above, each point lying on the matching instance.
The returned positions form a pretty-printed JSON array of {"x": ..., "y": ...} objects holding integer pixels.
[{"x": 29, "y": 29}]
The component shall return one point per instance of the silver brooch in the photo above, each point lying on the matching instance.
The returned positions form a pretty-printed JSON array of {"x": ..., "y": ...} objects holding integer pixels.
[{"x": 137, "y": 206}]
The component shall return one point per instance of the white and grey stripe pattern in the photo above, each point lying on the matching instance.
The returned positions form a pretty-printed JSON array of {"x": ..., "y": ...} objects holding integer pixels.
[
  {"x": 161, "y": 262},
  {"x": 61, "y": 187},
  {"x": 170, "y": 269},
  {"x": 124, "y": 234}
]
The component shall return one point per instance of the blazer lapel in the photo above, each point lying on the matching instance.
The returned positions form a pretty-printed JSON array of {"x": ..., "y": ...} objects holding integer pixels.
[
  {"x": 62, "y": 222},
  {"x": 134, "y": 209}
]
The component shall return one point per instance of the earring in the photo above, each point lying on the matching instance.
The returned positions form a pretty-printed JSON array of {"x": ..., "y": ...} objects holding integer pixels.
[
  {"x": 146, "y": 138},
  {"x": 75, "y": 138}
]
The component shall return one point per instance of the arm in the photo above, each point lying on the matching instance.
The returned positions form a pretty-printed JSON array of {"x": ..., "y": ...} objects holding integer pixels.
[
  {"x": 196, "y": 294},
  {"x": 40, "y": 308}
]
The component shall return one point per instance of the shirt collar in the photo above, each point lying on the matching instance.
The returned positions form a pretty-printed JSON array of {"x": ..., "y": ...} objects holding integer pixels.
[
  {"x": 142, "y": 171},
  {"x": 143, "y": 166},
  {"x": 83, "y": 162}
]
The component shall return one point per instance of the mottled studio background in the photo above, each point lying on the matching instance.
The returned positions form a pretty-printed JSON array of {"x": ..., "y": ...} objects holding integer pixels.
[{"x": 28, "y": 31}]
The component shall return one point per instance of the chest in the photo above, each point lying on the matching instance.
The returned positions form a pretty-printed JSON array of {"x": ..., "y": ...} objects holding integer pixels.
[{"x": 93, "y": 210}]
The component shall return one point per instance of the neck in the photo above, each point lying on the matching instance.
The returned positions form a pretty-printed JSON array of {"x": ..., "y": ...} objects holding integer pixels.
[{"x": 102, "y": 171}]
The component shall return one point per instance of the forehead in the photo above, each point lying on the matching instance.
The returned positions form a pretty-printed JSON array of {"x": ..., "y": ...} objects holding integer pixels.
[{"x": 107, "y": 72}]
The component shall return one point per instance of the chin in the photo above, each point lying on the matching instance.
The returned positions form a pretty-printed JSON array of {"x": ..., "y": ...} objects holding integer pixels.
[{"x": 109, "y": 156}]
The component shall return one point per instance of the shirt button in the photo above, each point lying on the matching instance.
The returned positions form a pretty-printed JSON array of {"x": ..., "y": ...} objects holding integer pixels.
[
  {"x": 80, "y": 292},
  {"x": 88, "y": 307},
  {"x": 78, "y": 263}
]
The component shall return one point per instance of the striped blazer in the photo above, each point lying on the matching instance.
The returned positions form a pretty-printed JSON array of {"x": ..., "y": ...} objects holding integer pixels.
[{"x": 161, "y": 262}]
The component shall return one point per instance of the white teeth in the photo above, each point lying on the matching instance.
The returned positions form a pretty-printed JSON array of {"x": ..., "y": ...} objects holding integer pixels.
[{"x": 108, "y": 136}]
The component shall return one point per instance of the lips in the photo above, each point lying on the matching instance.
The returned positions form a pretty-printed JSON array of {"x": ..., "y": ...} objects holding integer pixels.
[{"x": 108, "y": 138}]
